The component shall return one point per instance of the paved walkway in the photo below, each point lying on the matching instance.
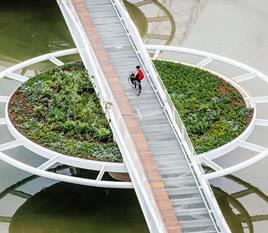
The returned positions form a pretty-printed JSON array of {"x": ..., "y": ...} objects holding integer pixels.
[{"x": 171, "y": 182}]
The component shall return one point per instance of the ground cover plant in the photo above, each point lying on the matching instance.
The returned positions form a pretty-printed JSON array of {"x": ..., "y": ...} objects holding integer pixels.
[
  {"x": 212, "y": 111},
  {"x": 60, "y": 110}
]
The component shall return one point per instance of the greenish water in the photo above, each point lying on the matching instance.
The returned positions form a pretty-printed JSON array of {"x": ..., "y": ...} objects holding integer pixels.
[
  {"x": 30, "y": 28},
  {"x": 70, "y": 208}
]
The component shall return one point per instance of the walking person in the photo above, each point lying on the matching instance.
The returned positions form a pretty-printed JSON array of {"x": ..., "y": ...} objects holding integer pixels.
[{"x": 138, "y": 77}]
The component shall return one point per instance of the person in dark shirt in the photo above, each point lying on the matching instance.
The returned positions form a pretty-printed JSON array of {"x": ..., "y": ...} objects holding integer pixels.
[{"x": 139, "y": 76}]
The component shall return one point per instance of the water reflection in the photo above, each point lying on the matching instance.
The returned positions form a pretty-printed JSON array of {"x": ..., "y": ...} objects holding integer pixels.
[
  {"x": 155, "y": 22},
  {"x": 69, "y": 208},
  {"x": 235, "y": 29},
  {"x": 65, "y": 208},
  {"x": 238, "y": 217},
  {"x": 30, "y": 28}
]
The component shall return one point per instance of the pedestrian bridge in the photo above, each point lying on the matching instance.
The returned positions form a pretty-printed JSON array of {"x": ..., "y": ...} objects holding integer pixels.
[
  {"x": 173, "y": 193},
  {"x": 170, "y": 184}
]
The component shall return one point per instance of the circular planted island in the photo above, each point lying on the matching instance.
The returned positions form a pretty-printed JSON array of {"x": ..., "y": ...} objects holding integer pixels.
[
  {"x": 212, "y": 110},
  {"x": 59, "y": 110}
]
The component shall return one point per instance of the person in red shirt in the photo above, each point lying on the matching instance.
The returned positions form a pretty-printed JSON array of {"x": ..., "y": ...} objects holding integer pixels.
[{"x": 139, "y": 76}]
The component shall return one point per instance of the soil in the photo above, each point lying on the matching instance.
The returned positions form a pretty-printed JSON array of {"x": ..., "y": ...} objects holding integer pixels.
[
  {"x": 223, "y": 89},
  {"x": 249, "y": 117},
  {"x": 17, "y": 96},
  {"x": 237, "y": 102}
]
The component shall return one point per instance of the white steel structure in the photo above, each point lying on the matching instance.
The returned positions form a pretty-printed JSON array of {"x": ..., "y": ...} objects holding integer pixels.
[
  {"x": 121, "y": 134},
  {"x": 51, "y": 157},
  {"x": 214, "y": 221},
  {"x": 206, "y": 158},
  {"x": 201, "y": 60}
]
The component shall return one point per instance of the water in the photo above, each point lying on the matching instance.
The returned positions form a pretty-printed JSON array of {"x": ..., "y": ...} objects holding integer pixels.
[
  {"x": 28, "y": 29},
  {"x": 236, "y": 29},
  {"x": 70, "y": 208},
  {"x": 33, "y": 204}
]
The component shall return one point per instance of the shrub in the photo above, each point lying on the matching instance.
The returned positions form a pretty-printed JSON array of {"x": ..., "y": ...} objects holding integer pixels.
[
  {"x": 212, "y": 111},
  {"x": 60, "y": 110}
]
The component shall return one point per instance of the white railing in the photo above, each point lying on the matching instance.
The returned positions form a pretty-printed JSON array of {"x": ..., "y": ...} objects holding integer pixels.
[
  {"x": 52, "y": 156},
  {"x": 39, "y": 59},
  {"x": 172, "y": 115},
  {"x": 249, "y": 100},
  {"x": 117, "y": 123}
]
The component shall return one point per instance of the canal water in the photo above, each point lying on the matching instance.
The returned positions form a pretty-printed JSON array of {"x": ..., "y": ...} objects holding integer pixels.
[{"x": 236, "y": 29}]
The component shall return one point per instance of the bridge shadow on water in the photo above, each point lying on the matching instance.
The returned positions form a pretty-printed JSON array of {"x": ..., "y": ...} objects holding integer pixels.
[
  {"x": 71, "y": 208},
  {"x": 237, "y": 216},
  {"x": 67, "y": 208},
  {"x": 44, "y": 206}
]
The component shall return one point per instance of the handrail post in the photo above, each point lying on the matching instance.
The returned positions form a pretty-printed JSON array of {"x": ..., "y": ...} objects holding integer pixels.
[{"x": 168, "y": 107}]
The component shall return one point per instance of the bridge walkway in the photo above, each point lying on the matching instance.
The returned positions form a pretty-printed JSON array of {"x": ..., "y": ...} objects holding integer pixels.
[{"x": 171, "y": 181}]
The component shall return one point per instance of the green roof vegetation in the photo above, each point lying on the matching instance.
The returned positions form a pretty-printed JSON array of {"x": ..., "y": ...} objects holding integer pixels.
[
  {"x": 60, "y": 110},
  {"x": 212, "y": 110}
]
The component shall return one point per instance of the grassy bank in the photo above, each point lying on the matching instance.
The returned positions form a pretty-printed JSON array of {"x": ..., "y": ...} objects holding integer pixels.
[
  {"x": 213, "y": 111},
  {"x": 60, "y": 110}
]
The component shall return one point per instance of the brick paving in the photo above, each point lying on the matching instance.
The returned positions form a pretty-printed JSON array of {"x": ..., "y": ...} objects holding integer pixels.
[{"x": 141, "y": 144}]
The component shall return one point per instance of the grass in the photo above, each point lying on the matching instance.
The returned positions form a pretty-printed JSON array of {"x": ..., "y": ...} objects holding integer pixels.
[
  {"x": 212, "y": 111},
  {"x": 60, "y": 110}
]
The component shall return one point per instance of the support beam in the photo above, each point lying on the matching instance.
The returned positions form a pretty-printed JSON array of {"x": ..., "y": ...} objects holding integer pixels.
[
  {"x": 260, "y": 99},
  {"x": 101, "y": 173},
  {"x": 20, "y": 194},
  {"x": 254, "y": 218},
  {"x": 156, "y": 54},
  {"x": 205, "y": 62},
  {"x": 3, "y": 99},
  {"x": 251, "y": 146},
  {"x": 244, "y": 77},
  {"x": 4, "y": 219},
  {"x": 261, "y": 122},
  {"x": 158, "y": 19},
  {"x": 48, "y": 163},
  {"x": 211, "y": 164},
  {"x": 157, "y": 36},
  {"x": 237, "y": 167},
  {"x": 15, "y": 76},
  {"x": 64, "y": 178},
  {"x": 142, "y": 3},
  {"x": 10, "y": 145},
  {"x": 3, "y": 121},
  {"x": 242, "y": 193},
  {"x": 55, "y": 60}
]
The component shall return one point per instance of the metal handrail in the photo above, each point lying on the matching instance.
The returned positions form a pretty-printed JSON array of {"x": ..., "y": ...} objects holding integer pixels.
[
  {"x": 53, "y": 157},
  {"x": 42, "y": 151},
  {"x": 173, "y": 116},
  {"x": 248, "y": 100},
  {"x": 222, "y": 150},
  {"x": 117, "y": 123}
]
